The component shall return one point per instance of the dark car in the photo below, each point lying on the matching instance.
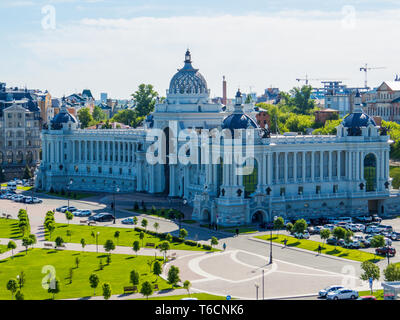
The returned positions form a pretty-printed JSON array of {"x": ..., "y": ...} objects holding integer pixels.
[
  {"x": 365, "y": 243},
  {"x": 335, "y": 242},
  {"x": 102, "y": 217},
  {"x": 395, "y": 236},
  {"x": 375, "y": 218},
  {"x": 385, "y": 250}
]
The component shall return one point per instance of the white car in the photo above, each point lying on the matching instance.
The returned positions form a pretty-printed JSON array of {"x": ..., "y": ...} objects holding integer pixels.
[
  {"x": 365, "y": 219},
  {"x": 304, "y": 235},
  {"x": 324, "y": 292},
  {"x": 342, "y": 294}
]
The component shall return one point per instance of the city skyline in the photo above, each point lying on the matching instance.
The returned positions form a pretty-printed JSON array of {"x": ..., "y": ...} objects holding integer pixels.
[{"x": 114, "y": 46}]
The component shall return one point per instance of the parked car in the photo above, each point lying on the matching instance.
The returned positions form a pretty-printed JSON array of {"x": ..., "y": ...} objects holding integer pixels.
[
  {"x": 372, "y": 229},
  {"x": 395, "y": 236},
  {"x": 334, "y": 242},
  {"x": 61, "y": 208},
  {"x": 70, "y": 209},
  {"x": 352, "y": 244},
  {"x": 82, "y": 213},
  {"x": 386, "y": 228},
  {"x": 365, "y": 243},
  {"x": 385, "y": 250},
  {"x": 329, "y": 226},
  {"x": 324, "y": 292},
  {"x": 318, "y": 229},
  {"x": 375, "y": 218},
  {"x": 127, "y": 221},
  {"x": 367, "y": 298},
  {"x": 360, "y": 227},
  {"x": 312, "y": 230},
  {"x": 102, "y": 217},
  {"x": 343, "y": 219},
  {"x": 364, "y": 219},
  {"x": 304, "y": 235},
  {"x": 341, "y": 294}
]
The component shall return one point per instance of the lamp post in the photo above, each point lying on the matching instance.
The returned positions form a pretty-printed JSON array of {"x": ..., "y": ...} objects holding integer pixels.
[
  {"x": 68, "y": 187},
  {"x": 263, "y": 285},
  {"x": 257, "y": 286},
  {"x": 114, "y": 204},
  {"x": 97, "y": 243},
  {"x": 270, "y": 250}
]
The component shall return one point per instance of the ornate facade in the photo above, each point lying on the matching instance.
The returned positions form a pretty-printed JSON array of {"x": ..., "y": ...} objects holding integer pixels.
[{"x": 291, "y": 176}]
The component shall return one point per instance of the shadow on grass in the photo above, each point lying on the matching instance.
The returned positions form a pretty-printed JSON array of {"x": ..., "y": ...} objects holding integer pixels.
[
  {"x": 294, "y": 244},
  {"x": 165, "y": 290},
  {"x": 334, "y": 251}
]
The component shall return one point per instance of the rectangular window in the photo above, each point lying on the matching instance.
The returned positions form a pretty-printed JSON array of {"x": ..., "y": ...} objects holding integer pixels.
[
  {"x": 318, "y": 190},
  {"x": 99, "y": 169},
  {"x": 335, "y": 188},
  {"x": 283, "y": 191},
  {"x": 110, "y": 171},
  {"x": 300, "y": 191}
]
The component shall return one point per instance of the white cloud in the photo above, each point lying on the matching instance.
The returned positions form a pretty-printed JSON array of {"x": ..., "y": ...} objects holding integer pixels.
[{"x": 115, "y": 55}]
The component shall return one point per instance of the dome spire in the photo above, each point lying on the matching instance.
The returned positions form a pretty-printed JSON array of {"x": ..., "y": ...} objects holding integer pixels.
[{"x": 188, "y": 56}]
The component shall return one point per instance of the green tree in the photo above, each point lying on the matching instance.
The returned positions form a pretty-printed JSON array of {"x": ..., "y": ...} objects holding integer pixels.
[
  {"x": 173, "y": 275},
  {"x": 146, "y": 289},
  {"x": 106, "y": 291},
  {"x": 299, "y": 99},
  {"x": 27, "y": 173},
  {"x": 145, "y": 98},
  {"x": 109, "y": 246},
  {"x": 98, "y": 114},
  {"x": 378, "y": 241},
  {"x": 164, "y": 247},
  {"x": 116, "y": 236},
  {"x": 54, "y": 287},
  {"x": 392, "y": 272},
  {"x": 214, "y": 241},
  {"x": 136, "y": 246},
  {"x": 183, "y": 233},
  {"x": 59, "y": 241},
  {"x": 289, "y": 227},
  {"x": 156, "y": 226},
  {"x": 157, "y": 270},
  {"x": 21, "y": 279},
  {"x": 94, "y": 282},
  {"x": 83, "y": 243},
  {"x": 69, "y": 216},
  {"x": 84, "y": 117},
  {"x": 70, "y": 275},
  {"x": 300, "y": 226},
  {"x": 77, "y": 261},
  {"x": 32, "y": 239},
  {"x": 12, "y": 287},
  {"x": 141, "y": 236},
  {"x": 168, "y": 237},
  {"x": 26, "y": 242},
  {"x": 325, "y": 234},
  {"x": 371, "y": 271},
  {"x": 144, "y": 223},
  {"x": 348, "y": 235},
  {"x": 11, "y": 245},
  {"x": 69, "y": 234},
  {"x": 187, "y": 286},
  {"x": 51, "y": 226},
  {"x": 134, "y": 277},
  {"x": 19, "y": 295},
  {"x": 279, "y": 223}
]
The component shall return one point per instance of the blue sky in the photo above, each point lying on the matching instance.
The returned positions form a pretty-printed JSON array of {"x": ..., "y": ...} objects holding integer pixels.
[{"x": 114, "y": 45}]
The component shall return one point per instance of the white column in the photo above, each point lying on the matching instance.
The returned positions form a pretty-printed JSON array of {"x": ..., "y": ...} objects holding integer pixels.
[
  {"x": 362, "y": 166},
  {"x": 277, "y": 165},
  {"x": 357, "y": 165},
  {"x": 321, "y": 165},
  {"x": 339, "y": 171},
  {"x": 285, "y": 168},
  {"x": 312, "y": 165},
  {"x": 303, "y": 168},
  {"x": 294, "y": 166},
  {"x": 269, "y": 164},
  {"x": 330, "y": 166},
  {"x": 265, "y": 171}
]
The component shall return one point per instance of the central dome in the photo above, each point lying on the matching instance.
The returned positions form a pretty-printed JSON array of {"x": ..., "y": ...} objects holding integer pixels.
[{"x": 188, "y": 80}]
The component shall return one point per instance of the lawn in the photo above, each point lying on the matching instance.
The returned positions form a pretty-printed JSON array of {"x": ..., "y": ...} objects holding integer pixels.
[
  {"x": 72, "y": 195},
  {"x": 9, "y": 229},
  {"x": 395, "y": 174},
  {"x": 126, "y": 238},
  {"x": 3, "y": 248},
  {"x": 377, "y": 293},
  {"x": 117, "y": 273},
  {"x": 351, "y": 254},
  {"x": 199, "y": 296}
]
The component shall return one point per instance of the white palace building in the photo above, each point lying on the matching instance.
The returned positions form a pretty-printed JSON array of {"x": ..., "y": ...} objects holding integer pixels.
[{"x": 293, "y": 176}]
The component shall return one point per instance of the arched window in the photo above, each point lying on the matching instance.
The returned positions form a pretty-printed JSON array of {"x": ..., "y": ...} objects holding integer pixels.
[
  {"x": 1, "y": 157},
  {"x": 19, "y": 157},
  {"x": 250, "y": 181},
  {"x": 10, "y": 157},
  {"x": 370, "y": 172}
]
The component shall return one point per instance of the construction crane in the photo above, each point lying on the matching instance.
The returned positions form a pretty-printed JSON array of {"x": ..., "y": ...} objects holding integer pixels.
[
  {"x": 306, "y": 79},
  {"x": 365, "y": 68}
]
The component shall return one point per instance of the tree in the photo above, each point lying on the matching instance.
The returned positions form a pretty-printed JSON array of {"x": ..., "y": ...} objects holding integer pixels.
[
  {"x": 69, "y": 216},
  {"x": 59, "y": 241},
  {"x": 83, "y": 243},
  {"x": 69, "y": 234},
  {"x": 19, "y": 295},
  {"x": 183, "y": 233},
  {"x": 299, "y": 100},
  {"x": 187, "y": 286},
  {"x": 339, "y": 233},
  {"x": 141, "y": 236},
  {"x": 378, "y": 241},
  {"x": 134, "y": 277},
  {"x": 173, "y": 275},
  {"x": 214, "y": 241},
  {"x": 392, "y": 272},
  {"x": 279, "y": 223},
  {"x": 164, "y": 247},
  {"x": 168, "y": 237},
  {"x": 12, "y": 287},
  {"x": 109, "y": 246},
  {"x": 325, "y": 234},
  {"x": 27, "y": 173},
  {"x": 371, "y": 271},
  {"x": 145, "y": 98},
  {"x": 94, "y": 282},
  {"x": 98, "y": 114},
  {"x": 289, "y": 227},
  {"x": 71, "y": 274},
  {"x": 51, "y": 226},
  {"x": 77, "y": 261},
  {"x": 299, "y": 226},
  {"x": 144, "y": 223},
  {"x": 348, "y": 235},
  {"x": 135, "y": 220},
  {"x": 116, "y": 236},
  {"x": 136, "y": 247},
  {"x": 84, "y": 117},
  {"x": 106, "y": 291},
  {"x": 157, "y": 270},
  {"x": 11, "y": 245},
  {"x": 54, "y": 287},
  {"x": 156, "y": 226},
  {"x": 146, "y": 289},
  {"x": 21, "y": 279},
  {"x": 26, "y": 242},
  {"x": 32, "y": 239}
]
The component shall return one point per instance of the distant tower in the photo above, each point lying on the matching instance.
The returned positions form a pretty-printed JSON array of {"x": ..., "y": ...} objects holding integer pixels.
[{"x": 224, "y": 100}]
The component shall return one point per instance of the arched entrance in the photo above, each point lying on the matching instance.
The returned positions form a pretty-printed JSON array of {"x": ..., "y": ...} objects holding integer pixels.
[
  {"x": 206, "y": 216},
  {"x": 257, "y": 217},
  {"x": 250, "y": 181},
  {"x": 370, "y": 172}
]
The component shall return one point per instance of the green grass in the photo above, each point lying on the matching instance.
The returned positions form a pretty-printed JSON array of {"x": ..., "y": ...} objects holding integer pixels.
[
  {"x": 126, "y": 238},
  {"x": 189, "y": 221},
  {"x": 244, "y": 230},
  {"x": 156, "y": 213},
  {"x": 395, "y": 174},
  {"x": 351, "y": 254},
  {"x": 117, "y": 273},
  {"x": 72, "y": 195},
  {"x": 199, "y": 296},
  {"x": 9, "y": 229},
  {"x": 3, "y": 248},
  {"x": 377, "y": 293}
]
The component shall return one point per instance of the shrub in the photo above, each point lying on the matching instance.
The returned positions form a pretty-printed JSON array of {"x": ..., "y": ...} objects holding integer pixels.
[
  {"x": 191, "y": 243},
  {"x": 177, "y": 239},
  {"x": 206, "y": 247},
  {"x": 136, "y": 206}
]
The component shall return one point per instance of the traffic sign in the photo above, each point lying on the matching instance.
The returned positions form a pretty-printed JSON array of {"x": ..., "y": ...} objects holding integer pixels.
[{"x": 228, "y": 297}]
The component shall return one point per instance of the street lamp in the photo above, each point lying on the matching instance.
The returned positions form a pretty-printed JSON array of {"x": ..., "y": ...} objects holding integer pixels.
[
  {"x": 270, "y": 250},
  {"x": 114, "y": 204},
  {"x": 97, "y": 243},
  {"x": 68, "y": 187},
  {"x": 257, "y": 286}
]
